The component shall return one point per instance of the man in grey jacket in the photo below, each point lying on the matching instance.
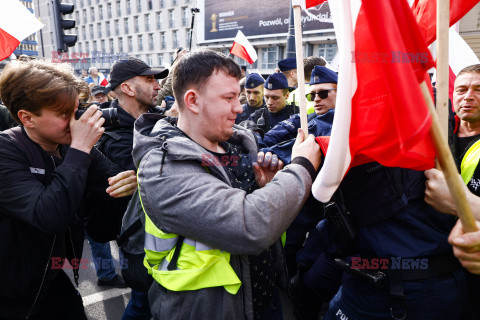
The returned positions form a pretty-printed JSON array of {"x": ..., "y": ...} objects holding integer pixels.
[{"x": 197, "y": 179}]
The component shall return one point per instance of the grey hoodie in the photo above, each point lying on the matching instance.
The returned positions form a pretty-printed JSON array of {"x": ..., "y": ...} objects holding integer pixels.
[{"x": 180, "y": 197}]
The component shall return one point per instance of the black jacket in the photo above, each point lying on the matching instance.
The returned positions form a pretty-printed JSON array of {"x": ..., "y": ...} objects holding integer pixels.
[
  {"x": 41, "y": 222},
  {"x": 119, "y": 148},
  {"x": 6, "y": 120}
]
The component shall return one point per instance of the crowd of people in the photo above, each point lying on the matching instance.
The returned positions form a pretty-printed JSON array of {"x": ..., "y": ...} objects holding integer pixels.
[{"x": 209, "y": 199}]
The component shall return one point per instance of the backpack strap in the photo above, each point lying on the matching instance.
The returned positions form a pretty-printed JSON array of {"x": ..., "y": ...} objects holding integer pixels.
[
  {"x": 30, "y": 149},
  {"x": 105, "y": 136},
  {"x": 132, "y": 229}
]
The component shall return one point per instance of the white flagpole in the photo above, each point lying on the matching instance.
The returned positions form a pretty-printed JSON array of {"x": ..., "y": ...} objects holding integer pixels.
[{"x": 443, "y": 22}]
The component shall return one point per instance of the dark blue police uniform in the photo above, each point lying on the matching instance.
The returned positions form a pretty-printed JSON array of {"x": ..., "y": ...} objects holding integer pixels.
[{"x": 391, "y": 220}]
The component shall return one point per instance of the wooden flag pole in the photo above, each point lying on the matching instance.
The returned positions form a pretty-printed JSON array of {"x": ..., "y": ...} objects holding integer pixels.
[
  {"x": 297, "y": 14},
  {"x": 444, "y": 155},
  {"x": 443, "y": 19}
]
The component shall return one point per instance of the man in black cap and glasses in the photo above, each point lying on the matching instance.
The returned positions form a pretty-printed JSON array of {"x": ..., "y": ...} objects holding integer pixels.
[{"x": 136, "y": 86}]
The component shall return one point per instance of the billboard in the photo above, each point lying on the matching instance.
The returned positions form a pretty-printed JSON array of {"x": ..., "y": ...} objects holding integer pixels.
[{"x": 221, "y": 19}]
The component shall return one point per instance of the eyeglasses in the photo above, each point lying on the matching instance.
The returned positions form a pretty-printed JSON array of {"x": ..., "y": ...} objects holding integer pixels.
[{"x": 323, "y": 94}]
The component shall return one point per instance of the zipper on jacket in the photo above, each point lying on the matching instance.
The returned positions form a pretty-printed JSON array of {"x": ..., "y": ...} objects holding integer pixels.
[
  {"x": 165, "y": 150},
  {"x": 43, "y": 278},
  {"x": 75, "y": 271}
]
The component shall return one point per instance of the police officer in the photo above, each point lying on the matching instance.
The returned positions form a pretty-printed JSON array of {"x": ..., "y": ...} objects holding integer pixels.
[
  {"x": 322, "y": 92},
  {"x": 288, "y": 67},
  {"x": 276, "y": 95},
  {"x": 254, "y": 92},
  {"x": 380, "y": 213}
]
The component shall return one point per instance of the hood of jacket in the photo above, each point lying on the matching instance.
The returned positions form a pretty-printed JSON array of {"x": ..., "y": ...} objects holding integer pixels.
[{"x": 156, "y": 131}]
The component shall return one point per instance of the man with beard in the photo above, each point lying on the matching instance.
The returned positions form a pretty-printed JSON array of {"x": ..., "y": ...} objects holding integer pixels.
[
  {"x": 254, "y": 93},
  {"x": 136, "y": 87}
]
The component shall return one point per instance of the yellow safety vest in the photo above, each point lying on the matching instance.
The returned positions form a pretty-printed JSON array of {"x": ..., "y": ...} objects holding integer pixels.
[
  {"x": 470, "y": 161},
  {"x": 198, "y": 266}
]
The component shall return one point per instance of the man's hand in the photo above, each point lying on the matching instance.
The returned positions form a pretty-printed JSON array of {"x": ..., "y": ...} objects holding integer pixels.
[
  {"x": 466, "y": 247},
  {"x": 266, "y": 167},
  {"x": 87, "y": 130},
  {"x": 123, "y": 184},
  {"x": 437, "y": 193},
  {"x": 307, "y": 148}
]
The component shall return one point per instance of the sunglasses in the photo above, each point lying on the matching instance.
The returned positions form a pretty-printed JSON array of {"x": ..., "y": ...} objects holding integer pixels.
[{"x": 323, "y": 94}]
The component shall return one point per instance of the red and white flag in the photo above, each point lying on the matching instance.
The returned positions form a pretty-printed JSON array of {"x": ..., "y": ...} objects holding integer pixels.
[
  {"x": 380, "y": 113},
  {"x": 305, "y": 4},
  {"x": 243, "y": 49},
  {"x": 425, "y": 12},
  {"x": 16, "y": 23}
]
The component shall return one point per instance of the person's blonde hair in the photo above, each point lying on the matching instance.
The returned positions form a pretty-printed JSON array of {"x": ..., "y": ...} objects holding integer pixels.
[{"x": 38, "y": 84}]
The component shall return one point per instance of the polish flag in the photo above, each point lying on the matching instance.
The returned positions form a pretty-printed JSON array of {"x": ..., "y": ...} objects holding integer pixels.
[
  {"x": 16, "y": 23},
  {"x": 243, "y": 49},
  {"x": 425, "y": 12},
  {"x": 460, "y": 55},
  {"x": 305, "y": 4},
  {"x": 380, "y": 113}
]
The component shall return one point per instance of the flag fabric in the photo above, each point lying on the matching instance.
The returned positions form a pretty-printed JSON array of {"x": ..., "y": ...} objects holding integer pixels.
[
  {"x": 102, "y": 81},
  {"x": 16, "y": 23},
  {"x": 243, "y": 49},
  {"x": 305, "y": 4},
  {"x": 425, "y": 12},
  {"x": 380, "y": 111},
  {"x": 460, "y": 55}
]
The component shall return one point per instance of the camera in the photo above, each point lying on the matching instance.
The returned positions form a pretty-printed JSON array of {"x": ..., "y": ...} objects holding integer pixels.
[
  {"x": 110, "y": 115},
  {"x": 196, "y": 10}
]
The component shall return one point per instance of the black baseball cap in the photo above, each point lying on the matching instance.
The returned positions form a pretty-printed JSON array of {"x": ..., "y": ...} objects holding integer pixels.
[{"x": 128, "y": 68}]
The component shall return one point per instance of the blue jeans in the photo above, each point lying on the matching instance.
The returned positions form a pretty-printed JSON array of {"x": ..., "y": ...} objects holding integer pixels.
[
  {"x": 138, "y": 307},
  {"x": 102, "y": 259}
]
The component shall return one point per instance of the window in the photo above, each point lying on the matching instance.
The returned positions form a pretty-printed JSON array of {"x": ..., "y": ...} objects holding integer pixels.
[
  {"x": 94, "y": 45},
  {"x": 159, "y": 20},
  {"x": 139, "y": 6},
  {"x": 91, "y": 32},
  {"x": 136, "y": 24},
  {"x": 175, "y": 39},
  {"x": 129, "y": 9},
  {"x": 171, "y": 18},
  {"x": 270, "y": 56},
  {"x": 126, "y": 25},
  {"x": 119, "y": 9},
  {"x": 84, "y": 15},
  {"x": 327, "y": 51},
  {"x": 151, "y": 42},
  {"x": 100, "y": 10},
  {"x": 160, "y": 59},
  {"x": 184, "y": 16},
  {"x": 150, "y": 4},
  {"x": 102, "y": 46},
  {"x": 107, "y": 27},
  {"x": 163, "y": 44},
  {"x": 140, "y": 43},
  {"x": 174, "y": 3},
  {"x": 149, "y": 59},
  {"x": 130, "y": 44},
  {"x": 92, "y": 14},
  {"x": 99, "y": 30},
  {"x": 111, "y": 45},
  {"x": 120, "y": 44},
  {"x": 84, "y": 32},
  {"x": 147, "y": 22},
  {"x": 109, "y": 10},
  {"x": 117, "y": 27},
  {"x": 162, "y": 3}
]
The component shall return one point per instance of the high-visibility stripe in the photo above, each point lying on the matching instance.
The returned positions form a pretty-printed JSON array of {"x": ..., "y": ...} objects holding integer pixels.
[
  {"x": 470, "y": 162},
  {"x": 153, "y": 243}
]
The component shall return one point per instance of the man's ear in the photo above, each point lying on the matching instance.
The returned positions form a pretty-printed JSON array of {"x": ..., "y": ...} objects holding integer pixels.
[
  {"x": 26, "y": 118},
  {"x": 127, "y": 89},
  {"x": 191, "y": 101},
  {"x": 287, "y": 95}
]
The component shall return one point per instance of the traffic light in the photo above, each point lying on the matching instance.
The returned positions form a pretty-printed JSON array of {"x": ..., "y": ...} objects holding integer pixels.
[{"x": 62, "y": 40}]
